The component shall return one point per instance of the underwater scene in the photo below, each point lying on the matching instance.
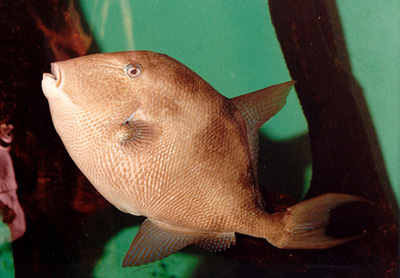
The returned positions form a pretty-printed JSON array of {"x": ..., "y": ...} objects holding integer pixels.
[{"x": 199, "y": 138}]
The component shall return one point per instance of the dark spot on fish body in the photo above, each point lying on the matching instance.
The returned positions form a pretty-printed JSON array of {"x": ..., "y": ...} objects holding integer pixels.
[
  {"x": 182, "y": 76},
  {"x": 246, "y": 177},
  {"x": 170, "y": 106},
  {"x": 185, "y": 82},
  {"x": 210, "y": 143},
  {"x": 222, "y": 143},
  {"x": 232, "y": 112},
  {"x": 222, "y": 151},
  {"x": 247, "y": 180}
]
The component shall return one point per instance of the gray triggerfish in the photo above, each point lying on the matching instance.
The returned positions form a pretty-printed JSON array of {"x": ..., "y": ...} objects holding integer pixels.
[{"x": 157, "y": 140}]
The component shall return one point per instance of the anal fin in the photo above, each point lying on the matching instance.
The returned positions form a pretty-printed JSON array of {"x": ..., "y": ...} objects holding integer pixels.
[
  {"x": 216, "y": 242},
  {"x": 156, "y": 240}
]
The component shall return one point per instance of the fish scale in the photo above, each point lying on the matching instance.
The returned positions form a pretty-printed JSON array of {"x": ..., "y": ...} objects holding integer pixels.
[{"x": 161, "y": 142}]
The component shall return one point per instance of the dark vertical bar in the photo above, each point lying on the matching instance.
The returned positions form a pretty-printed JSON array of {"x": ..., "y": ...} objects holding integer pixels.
[{"x": 341, "y": 152}]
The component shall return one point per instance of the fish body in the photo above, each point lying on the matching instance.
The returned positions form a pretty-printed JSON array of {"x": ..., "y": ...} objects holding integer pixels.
[{"x": 157, "y": 140}]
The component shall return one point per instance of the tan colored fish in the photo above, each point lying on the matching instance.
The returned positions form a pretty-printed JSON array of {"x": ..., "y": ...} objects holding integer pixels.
[{"x": 157, "y": 140}]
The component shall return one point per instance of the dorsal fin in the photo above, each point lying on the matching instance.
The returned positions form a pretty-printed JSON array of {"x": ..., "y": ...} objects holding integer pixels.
[{"x": 258, "y": 107}]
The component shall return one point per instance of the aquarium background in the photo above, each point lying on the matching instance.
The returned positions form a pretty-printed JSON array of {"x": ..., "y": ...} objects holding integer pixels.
[{"x": 233, "y": 46}]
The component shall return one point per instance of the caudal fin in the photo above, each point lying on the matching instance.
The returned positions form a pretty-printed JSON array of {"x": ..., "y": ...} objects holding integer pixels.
[{"x": 306, "y": 224}]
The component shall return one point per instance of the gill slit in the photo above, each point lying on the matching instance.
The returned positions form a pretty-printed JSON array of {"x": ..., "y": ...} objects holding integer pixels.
[{"x": 130, "y": 118}]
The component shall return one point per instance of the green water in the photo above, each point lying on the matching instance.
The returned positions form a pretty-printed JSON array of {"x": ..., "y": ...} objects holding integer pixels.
[
  {"x": 6, "y": 255},
  {"x": 181, "y": 264}
]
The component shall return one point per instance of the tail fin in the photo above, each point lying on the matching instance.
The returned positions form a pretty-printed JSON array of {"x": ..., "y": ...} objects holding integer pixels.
[{"x": 306, "y": 223}]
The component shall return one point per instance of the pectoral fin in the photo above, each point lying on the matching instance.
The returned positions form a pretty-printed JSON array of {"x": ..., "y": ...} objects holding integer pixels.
[
  {"x": 156, "y": 240},
  {"x": 136, "y": 134}
]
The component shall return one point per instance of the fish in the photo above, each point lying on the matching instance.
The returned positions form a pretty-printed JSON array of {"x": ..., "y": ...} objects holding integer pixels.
[{"x": 157, "y": 140}]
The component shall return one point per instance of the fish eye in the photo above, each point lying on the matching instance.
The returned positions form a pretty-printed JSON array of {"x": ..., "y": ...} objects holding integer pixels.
[{"x": 133, "y": 71}]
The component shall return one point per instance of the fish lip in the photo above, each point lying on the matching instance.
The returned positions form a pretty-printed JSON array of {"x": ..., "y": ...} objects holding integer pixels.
[
  {"x": 54, "y": 77},
  {"x": 55, "y": 70}
]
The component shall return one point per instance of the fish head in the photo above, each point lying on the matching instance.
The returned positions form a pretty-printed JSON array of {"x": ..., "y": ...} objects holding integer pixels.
[
  {"x": 122, "y": 115},
  {"x": 97, "y": 95}
]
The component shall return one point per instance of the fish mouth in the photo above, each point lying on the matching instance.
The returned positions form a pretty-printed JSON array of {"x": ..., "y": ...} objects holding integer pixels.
[{"x": 53, "y": 78}]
